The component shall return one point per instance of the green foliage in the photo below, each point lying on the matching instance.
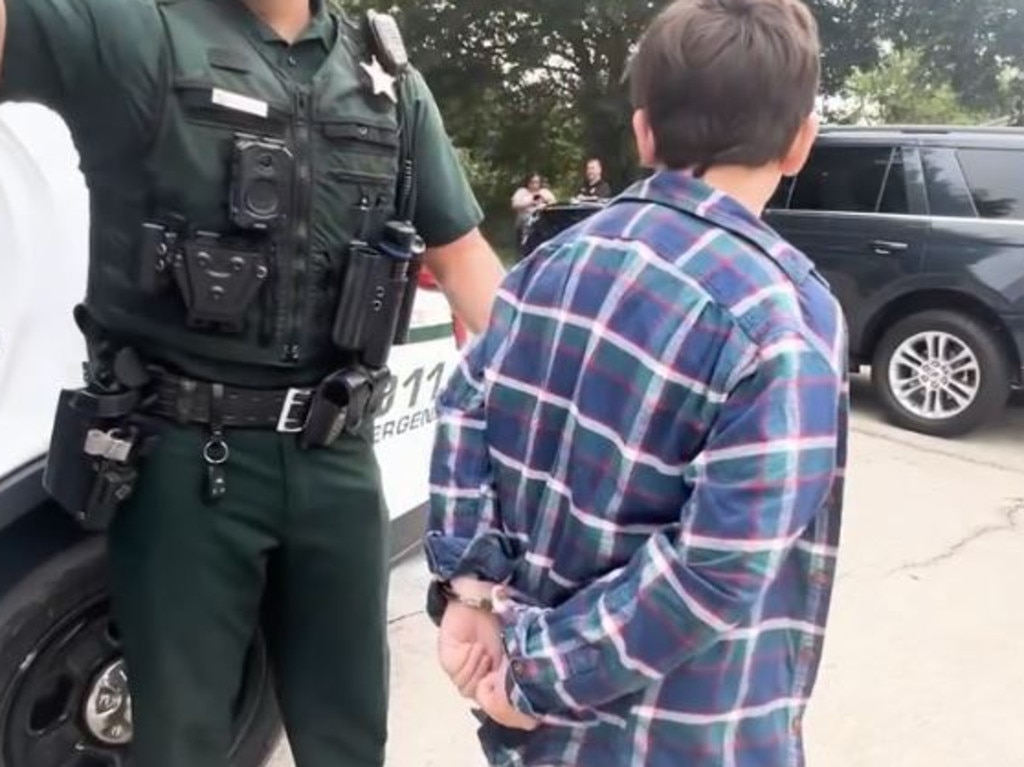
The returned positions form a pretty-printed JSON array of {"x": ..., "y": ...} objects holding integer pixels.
[
  {"x": 970, "y": 42},
  {"x": 903, "y": 90}
]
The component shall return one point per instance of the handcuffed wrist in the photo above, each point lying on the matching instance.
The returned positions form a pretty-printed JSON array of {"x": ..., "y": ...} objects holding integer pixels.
[
  {"x": 471, "y": 587},
  {"x": 479, "y": 595}
]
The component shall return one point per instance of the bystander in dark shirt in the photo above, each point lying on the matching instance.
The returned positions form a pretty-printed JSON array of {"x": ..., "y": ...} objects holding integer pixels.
[{"x": 602, "y": 190}]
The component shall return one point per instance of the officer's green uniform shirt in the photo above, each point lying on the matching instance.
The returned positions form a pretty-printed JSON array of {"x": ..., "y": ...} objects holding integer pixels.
[{"x": 100, "y": 64}]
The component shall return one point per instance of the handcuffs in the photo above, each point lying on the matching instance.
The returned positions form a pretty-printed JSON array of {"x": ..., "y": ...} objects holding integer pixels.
[{"x": 496, "y": 601}]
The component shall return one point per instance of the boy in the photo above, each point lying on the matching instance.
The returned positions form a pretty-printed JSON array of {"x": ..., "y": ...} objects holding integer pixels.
[{"x": 646, "y": 448}]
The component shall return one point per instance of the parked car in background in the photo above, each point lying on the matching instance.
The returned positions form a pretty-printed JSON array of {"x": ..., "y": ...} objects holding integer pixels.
[
  {"x": 920, "y": 232},
  {"x": 550, "y": 221}
]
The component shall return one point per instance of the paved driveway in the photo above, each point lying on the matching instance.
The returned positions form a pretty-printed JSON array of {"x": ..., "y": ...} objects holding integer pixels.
[{"x": 925, "y": 659}]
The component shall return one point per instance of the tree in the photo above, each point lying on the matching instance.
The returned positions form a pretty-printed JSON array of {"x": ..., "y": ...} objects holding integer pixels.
[
  {"x": 970, "y": 42},
  {"x": 902, "y": 90}
]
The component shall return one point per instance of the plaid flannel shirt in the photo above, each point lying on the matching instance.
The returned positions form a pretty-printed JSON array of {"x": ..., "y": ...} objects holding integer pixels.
[{"x": 648, "y": 445}]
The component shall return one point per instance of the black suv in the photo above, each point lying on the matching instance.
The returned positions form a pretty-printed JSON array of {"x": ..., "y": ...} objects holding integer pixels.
[{"x": 920, "y": 231}]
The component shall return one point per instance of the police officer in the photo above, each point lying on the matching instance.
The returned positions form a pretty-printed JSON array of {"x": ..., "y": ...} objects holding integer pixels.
[{"x": 252, "y": 165}]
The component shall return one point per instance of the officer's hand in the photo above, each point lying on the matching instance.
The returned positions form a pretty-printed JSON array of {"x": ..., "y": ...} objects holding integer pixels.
[
  {"x": 493, "y": 699},
  {"x": 469, "y": 646}
]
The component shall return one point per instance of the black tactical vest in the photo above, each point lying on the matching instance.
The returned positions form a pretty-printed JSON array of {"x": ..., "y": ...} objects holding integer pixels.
[{"x": 326, "y": 155}]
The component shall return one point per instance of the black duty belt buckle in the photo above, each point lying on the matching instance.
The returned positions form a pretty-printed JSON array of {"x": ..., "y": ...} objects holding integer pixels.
[{"x": 295, "y": 411}]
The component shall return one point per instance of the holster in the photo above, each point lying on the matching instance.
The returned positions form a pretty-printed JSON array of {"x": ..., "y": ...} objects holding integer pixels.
[
  {"x": 218, "y": 284},
  {"x": 369, "y": 304},
  {"x": 96, "y": 447},
  {"x": 218, "y": 280},
  {"x": 342, "y": 404}
]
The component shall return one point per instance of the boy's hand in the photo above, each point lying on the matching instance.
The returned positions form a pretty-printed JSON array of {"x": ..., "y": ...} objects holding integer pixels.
[
  {"x": 465, "y": 663},
  {"x": 469, "y": 646},
  {"x": 492, "y": 698}
]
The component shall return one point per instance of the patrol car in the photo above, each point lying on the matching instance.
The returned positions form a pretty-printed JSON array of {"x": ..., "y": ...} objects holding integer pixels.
[{"x": 64, "y": 693}]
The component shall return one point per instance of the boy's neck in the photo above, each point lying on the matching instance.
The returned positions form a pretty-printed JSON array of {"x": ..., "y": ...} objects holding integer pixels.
[{"x": 751, "y": 187}]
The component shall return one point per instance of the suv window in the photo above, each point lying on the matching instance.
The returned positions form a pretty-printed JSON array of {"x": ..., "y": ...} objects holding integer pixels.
[
  {"x": 947, "y": 192},
  {"x": 868, "y": 179},
  {"x": 895, "y": 197},
  {"x": 996, "y": 179}
]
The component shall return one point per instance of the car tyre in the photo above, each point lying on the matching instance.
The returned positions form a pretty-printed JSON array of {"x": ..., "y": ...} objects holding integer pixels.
[
  {"x": 55, "y": 641},
  {"x": 983, "y": 370}
]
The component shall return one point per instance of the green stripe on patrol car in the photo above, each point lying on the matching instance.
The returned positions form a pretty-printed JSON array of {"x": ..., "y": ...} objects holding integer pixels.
[{"x": 431, "y": 333}]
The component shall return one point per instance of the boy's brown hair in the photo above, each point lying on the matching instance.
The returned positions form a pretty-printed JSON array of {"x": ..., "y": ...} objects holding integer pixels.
[{"x": 727, "y": 82}]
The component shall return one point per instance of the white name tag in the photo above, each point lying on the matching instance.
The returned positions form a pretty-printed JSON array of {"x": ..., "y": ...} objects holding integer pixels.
[{"x": 240, "y": 103}]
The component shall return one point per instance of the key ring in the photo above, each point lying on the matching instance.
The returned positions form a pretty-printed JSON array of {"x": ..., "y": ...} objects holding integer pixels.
[{"x": 216, "y": 452}]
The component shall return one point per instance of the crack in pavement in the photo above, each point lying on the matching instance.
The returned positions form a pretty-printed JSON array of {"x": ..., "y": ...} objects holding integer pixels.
[
  {"x": 1011, "y": 514},
  {"x": 405, "y": 617},
  {"x": 869, "y": 430}
]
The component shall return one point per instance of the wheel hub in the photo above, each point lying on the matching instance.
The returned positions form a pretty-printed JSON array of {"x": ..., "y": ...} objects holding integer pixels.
[
  {"x": 935, "y": 375},
  {"x": 108, "y": 706},
  {"x": 69, "y": 704}
]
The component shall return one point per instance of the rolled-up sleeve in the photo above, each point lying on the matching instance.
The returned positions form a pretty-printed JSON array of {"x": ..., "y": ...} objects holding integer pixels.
[{"x": 766, "y": 473}]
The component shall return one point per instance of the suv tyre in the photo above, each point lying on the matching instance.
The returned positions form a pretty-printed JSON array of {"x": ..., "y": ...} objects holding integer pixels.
[
  {"x": 58, "y": 648},
  {"x": 941, "y": 373}
]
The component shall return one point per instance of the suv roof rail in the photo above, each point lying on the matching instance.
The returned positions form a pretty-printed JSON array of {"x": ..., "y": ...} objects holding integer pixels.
[{"x": 945, "y": 129}]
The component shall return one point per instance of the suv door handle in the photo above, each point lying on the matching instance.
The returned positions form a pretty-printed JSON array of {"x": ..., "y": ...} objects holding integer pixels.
[{"x": 888, "y": 247}]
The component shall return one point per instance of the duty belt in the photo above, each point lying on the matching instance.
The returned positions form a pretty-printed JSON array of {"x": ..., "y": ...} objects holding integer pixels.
[
  {"x": 188, "y": 401},
  {"x": 340, "y": 403}
]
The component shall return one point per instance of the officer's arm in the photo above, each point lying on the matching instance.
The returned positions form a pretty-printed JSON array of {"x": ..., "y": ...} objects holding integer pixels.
[
  {"x": 48, "y": 51},
  {"x": 86, "y": 59},
  {"x": 469, "y": 272},
  {"x": 448, "y": 217}
]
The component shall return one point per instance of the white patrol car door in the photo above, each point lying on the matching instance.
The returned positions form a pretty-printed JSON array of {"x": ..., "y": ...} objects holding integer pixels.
[
  {"x": 404, "y": 432},
  {"x": 44, "y": 227}
]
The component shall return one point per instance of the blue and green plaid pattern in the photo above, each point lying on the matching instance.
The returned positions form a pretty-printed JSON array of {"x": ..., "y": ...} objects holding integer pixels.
[{"x": 648, "y": 446}]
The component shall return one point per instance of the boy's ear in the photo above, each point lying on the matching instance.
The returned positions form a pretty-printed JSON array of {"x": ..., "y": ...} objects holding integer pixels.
[
  {"x": 795, "y": 159},
  {"x": 644, "y": 139}
]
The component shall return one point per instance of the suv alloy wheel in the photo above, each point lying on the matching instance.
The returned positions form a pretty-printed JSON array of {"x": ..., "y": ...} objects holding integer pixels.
[{"x": 941, "y": 373}]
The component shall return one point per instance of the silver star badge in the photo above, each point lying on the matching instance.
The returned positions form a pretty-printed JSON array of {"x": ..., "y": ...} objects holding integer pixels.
[{"x": 380, "y": 80}]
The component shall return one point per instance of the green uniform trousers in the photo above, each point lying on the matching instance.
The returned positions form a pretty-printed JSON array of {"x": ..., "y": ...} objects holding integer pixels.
[{"x": 300, "y": 540}]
